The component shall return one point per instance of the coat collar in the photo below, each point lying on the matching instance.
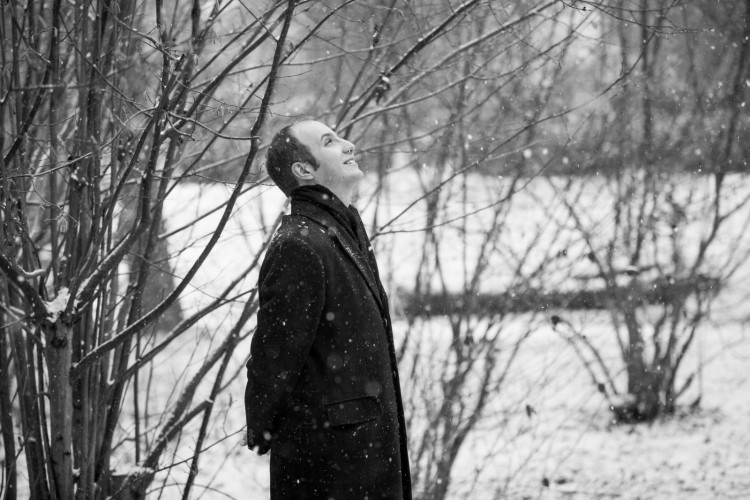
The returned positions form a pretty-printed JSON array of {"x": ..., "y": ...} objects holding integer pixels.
[{"x": 342, "y": 238}]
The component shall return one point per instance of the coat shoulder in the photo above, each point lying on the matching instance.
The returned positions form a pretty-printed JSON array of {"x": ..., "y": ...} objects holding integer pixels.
[{"x": 300, "y": 230}]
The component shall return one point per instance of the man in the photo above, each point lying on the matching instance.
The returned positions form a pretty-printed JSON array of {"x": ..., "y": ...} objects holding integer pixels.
[{"x": 323, "y": 392}]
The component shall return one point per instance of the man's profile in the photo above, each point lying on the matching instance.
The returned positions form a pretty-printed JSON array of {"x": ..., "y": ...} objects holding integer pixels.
[{"x": 323, "y": 393}]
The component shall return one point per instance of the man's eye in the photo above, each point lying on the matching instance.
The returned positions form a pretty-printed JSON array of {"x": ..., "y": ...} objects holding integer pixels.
[{"x": 327, "y": 142}]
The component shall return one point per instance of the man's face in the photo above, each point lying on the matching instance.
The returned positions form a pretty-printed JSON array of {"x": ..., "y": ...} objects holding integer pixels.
[{"x": 338, "y": 171}]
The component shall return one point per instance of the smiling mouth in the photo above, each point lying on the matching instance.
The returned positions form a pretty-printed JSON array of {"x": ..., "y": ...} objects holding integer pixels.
[{"x": 350, "y": 161}]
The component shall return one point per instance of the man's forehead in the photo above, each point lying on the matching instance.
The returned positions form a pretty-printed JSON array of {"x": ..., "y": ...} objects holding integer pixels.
[{"x": 311, "y": 130}]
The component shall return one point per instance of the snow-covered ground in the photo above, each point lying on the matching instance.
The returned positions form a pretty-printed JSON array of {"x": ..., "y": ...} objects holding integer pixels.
[
  {"x": 568, "y": 442},
  {"x": 546, "y": 435},
  {"x": 567, "y": 446},
  {"x": 571, "y": 445}
]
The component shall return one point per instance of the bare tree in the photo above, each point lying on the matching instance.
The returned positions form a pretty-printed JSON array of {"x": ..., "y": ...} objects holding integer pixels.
[
  {"x": 459, "y": 351},
  {"x": 656, "y": 251},
  {"x": 86, "y": 165}
]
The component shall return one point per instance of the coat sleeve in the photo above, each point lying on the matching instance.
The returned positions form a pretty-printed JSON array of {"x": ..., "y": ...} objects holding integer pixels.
[{"x": 291, "y": 295}]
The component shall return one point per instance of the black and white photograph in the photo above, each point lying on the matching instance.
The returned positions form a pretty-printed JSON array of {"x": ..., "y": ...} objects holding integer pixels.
[{"x": 374, "y": 250}]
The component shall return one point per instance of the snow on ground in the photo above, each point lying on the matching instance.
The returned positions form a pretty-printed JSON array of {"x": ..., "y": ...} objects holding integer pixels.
[
  {"x": 567, "y": 443},
  {"x": 567, "y": 448},
  {"x": 569, "y": 440},
  {"x": 700, "y": 455}
]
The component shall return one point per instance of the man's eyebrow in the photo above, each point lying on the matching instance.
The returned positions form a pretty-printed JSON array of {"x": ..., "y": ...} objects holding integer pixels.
[{"x": 328, "y": 134}]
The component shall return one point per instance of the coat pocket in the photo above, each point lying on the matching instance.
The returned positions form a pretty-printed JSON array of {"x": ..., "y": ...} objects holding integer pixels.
[{"x": 353, "y": 411}]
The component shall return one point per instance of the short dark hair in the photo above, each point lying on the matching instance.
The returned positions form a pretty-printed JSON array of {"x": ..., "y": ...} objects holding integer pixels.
[{"x": 284, "y": 151}]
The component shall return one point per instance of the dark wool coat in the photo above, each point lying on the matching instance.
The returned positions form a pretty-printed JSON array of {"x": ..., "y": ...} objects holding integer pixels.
[{"x": 323, "y": 392}]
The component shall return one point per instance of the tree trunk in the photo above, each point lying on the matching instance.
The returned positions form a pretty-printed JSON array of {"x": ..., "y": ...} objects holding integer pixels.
[
  {"x": 6, "y": 418},
  {"x": 640, "y": 377},
  {"x": 61, "y": 410}
]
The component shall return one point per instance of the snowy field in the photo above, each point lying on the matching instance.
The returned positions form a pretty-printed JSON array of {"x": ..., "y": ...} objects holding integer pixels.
[
  {"x": 546, "y": 435},
  {"x": 569, "y": 442},
  {"x": 565, "y": 448}
]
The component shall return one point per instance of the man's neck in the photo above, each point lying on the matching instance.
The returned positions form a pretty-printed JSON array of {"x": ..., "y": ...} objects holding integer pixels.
[{"x": 343, "y": 193}]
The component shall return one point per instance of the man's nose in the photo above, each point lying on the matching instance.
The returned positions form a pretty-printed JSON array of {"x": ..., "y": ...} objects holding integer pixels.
[{"x": 348, "y": 147}]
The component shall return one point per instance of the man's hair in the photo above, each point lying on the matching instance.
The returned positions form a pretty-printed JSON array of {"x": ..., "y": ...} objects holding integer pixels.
[{"x": 285, "y": 150}]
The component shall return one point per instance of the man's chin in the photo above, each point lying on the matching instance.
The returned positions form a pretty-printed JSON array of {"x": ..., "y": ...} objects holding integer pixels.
[
  {"x": 356, "y": 175},
  {"x": 352, "y": 181}
]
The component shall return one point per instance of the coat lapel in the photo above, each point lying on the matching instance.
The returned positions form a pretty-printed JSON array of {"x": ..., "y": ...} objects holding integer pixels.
[
  {"x": 344, "y": 241},
  {"x": 359, "y": 261}
]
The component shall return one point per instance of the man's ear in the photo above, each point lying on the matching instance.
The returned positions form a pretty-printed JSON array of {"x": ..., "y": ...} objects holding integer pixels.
[{"x": 302, "y": 170}]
